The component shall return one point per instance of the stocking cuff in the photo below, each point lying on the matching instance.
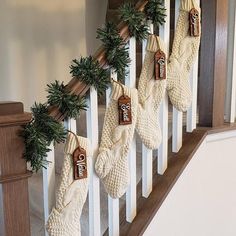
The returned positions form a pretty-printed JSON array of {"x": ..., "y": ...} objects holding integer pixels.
[
  {"x": 120, "y": 89},
  {"x": 154, "y": 43},
  {"x": 73, "y": 141},
  {"x": 187, "y": 5}
]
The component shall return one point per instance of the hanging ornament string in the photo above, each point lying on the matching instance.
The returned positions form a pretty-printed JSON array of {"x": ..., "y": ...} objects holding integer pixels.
[
  {"x": 159, "y": 62},
  {"x": 120, "y": 84},
  {"x": 79, "y": 158}
]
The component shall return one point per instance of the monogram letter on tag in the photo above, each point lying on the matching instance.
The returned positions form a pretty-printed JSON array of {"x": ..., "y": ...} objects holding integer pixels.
[
  {"x": 194, "y": 23},
  {"x": 79, "y": 163},
  {"x": 124, "y": 106},
  {"x": 160, "y": 65}
]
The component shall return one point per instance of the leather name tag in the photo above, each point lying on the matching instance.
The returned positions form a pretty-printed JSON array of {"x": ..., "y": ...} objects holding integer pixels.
[
  {"x": 160, "y": 65},
  {"x": 194, "y": 23},
  {"x": 124, "y": 106},
  {"x": 80, "y": 163}
]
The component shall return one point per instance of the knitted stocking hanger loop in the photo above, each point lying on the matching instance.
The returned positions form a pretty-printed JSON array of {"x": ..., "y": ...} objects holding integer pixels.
[
  {"x": 120, "y": 84},
  {"x": 76, "y": 138}
]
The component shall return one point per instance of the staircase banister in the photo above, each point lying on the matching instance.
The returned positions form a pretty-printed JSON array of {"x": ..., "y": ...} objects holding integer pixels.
[{"x": 75, "y": 86}]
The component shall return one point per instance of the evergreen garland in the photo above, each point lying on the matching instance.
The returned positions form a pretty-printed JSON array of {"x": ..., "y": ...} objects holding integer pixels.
[
  {"x": 44, "y": 129},
  {"x": 155, "y": 11},
  {"x": 135, "y": 20},
  {"x": 68, "y": 104},
  {"x": 38, "y": 135},
  {"x": 117, "y": 54},
  {"x": 36, "y": 147},
  {"x": 89, "y": 71}
]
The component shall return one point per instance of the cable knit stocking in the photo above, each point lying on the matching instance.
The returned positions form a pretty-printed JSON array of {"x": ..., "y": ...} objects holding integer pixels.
[
  {"x": 185, "y": 49},
  {"x": 112, "y": 162},
  {"x": 151, "y": 93},
  {"x": 64, "y": 219}
]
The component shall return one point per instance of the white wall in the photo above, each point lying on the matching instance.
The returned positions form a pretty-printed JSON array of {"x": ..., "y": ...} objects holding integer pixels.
[
  {"x": 39, "y": 39},
  {"x": 203, "y": 201}
]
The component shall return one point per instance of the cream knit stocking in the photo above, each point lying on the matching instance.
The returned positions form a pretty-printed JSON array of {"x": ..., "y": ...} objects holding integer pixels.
[
  {"x": 151, "y": 93},
  {"x": 64, "y": 219},
  {"x": 185, "y": 49},
  {"x": 112, "y": 162}
]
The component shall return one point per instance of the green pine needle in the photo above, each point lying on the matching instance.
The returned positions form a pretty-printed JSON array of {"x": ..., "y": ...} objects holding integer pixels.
[
  {"x": 135, "y": 20},
  {"x": 117, "y": 54},
  {"x": 155, "y": 11},
  {"x": 68, "y": 104},
  {"x": 47, "y": 125},
  {"x": 36, "y": 147},
  {"x": 89, "y": 71},
  {"x": 38, "y": 135}
]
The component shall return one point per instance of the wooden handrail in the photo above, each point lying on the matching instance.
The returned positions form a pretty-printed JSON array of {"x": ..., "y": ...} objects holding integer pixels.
[{"x": 79, "y": 88}]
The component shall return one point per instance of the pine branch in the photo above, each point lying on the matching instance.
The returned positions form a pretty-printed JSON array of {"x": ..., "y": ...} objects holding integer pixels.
[
  {"x": 46, "y": 125},
  {"x": 68, "y": 104},
  {"x": 155, "y": 11},
  {"x": 135, "y": 20},
  {"x": 38, "y": 135},
  {"x": 89, "y": 71},
  {"x": 116, "y": 52},
  {"x": 36, "y": 147}
]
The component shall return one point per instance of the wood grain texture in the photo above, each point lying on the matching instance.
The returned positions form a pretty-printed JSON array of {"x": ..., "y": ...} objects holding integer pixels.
[
  {"x": 213, "y": 50},
  {"x": 14, "y": 108},
  {"x": 14, "y": 206},
  {"x": 220, "y": 70}
]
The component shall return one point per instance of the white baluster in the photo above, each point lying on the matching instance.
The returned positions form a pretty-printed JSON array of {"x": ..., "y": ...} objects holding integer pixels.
[
  {"x": 192, "y": 111},
  {"x": 191, "y": 122},
  {"x": 70, "y": 124},
  {"x": 177, "y": 119},
  {"x": 113, "y": 204},
  {"x": 94, "y": 190},
  {"x": 146, "y": 153},
  {"x": 163, "y": 149},
  {"x": 131, "y": 198},
  {"x": 231, "y": 64},
  {"x": 49, "y": 185},
  {"x": 113, "y": 218}
]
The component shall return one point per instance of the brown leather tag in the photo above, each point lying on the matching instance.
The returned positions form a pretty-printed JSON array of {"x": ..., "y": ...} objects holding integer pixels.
[
  {"x": 160, "y": 65},
  {"x": 124, "y": 106},
  {"x": 79, "y": 163},
  {"x": 194, "y": 23}
]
